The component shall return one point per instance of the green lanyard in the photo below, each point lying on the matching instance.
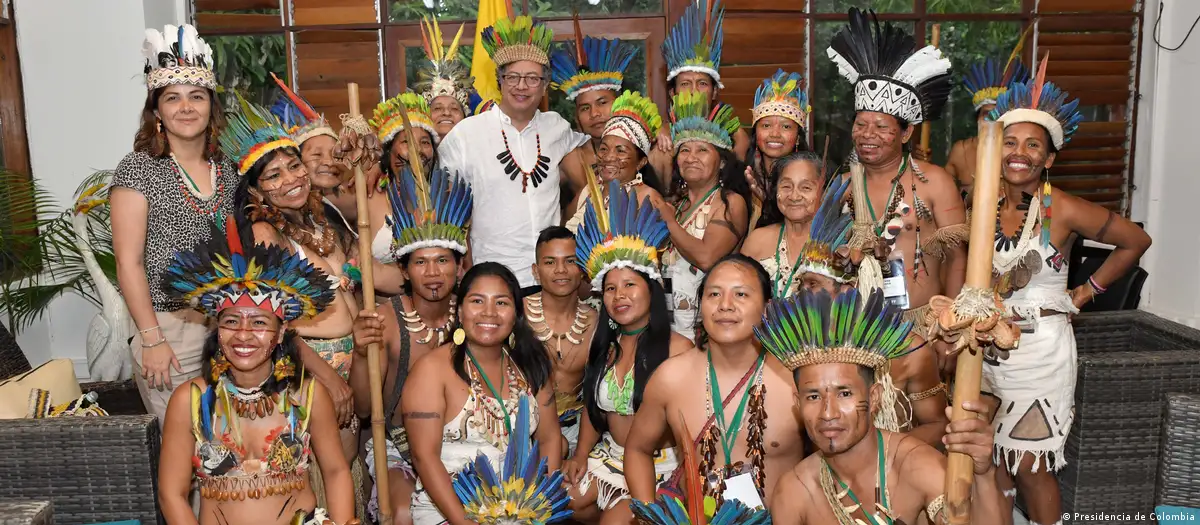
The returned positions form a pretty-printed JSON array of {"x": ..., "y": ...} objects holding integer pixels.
[
  {"x": 729, "y": 433},
  {"x": 495, "y": 394},
  {"x": 871, "y": 207},
  {"x": 783, "y": 292},
  {"x": 882, "y": 484},
  {"x": 680, "y": 209}
]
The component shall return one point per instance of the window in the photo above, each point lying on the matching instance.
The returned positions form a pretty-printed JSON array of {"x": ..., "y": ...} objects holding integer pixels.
[
  {"x": 245, "y": 62},
  {"x": 411, "y": 10}
]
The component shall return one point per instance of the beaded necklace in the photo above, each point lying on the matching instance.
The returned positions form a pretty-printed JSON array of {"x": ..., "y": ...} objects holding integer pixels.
[
  {"x": 540, "y": 169},
  {"x": 191, "y": 192},
  {"x": 783, "y": 265}
]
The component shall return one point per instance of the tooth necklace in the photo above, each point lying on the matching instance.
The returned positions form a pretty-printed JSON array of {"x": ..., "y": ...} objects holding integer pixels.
[
  {"x": 416, "y": 325},
  {"x": 574, "y": 334}
]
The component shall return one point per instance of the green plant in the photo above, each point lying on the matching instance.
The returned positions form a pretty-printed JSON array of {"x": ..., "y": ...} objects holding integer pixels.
[
  {"x": 244, "y": 63},
  {"x": 37, "y": 237}
]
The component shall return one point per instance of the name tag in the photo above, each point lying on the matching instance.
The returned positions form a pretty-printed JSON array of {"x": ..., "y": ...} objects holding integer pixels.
[
  {"x": 895, "y": 288},
  {"x": 741, "y": 488}
]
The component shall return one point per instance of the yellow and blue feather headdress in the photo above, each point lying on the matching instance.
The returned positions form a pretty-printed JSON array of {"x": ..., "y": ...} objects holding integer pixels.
[
  {"x": 387, "y": 120},
  {"x": 987, "y": 80},
  {"x": 222, "y": 273},
  {"x": 693, "y": 119},
  {"x": 694, "y": 42},
  {"x": 827, "y": 234},
  {"x": 590, "y": 64},
  {"x": 634, "y": 118},
  {"x": 522, "y": 492},
  {"x": 427, "y": 214},
  {"x": 782, "y": 95},
  {"x": 251, "y": 134},
  {"x": 1042, "y": 103},
  {"x": 514, "y": 40},
  {"x": 298, "y": 117},
  {"x": 625, "y": 235}
]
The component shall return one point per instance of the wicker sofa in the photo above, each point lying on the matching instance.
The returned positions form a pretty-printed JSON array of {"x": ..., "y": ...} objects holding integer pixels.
[
  {"x": 1179, "y": 468},
  {"x": 1128, "y": 362}
]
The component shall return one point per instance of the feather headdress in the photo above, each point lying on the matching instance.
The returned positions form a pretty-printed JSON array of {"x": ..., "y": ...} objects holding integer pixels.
[
  {"x": 1042, "y": 103},
  {"x": 298, "y": 117},
  {"x": 513, "y": 40},
  {"x": 427, "y": 214},
  {"x": 828, "y": 234},
  {"x": 813, "y": 328},
  {"x": 782, "y": 96},
  {"x": 177, "y": 55},
  {"x": 626, "y": 235},
  {"x": 694, "y": 42},
  {"x": 445, "y": 75},
  {"x": 523, "y": 492},
  {"x": 693, "y": 119},
  {"x": 252, "y": 133},
  {"x": 987, "y": 80},
  {"x": 889, "y": 74},
  {"x": 590, "y": 64},
  {"x": 222, "y": 272},
  {"x": 634, "y": 118},
  {"x": 387, "y": 120}
]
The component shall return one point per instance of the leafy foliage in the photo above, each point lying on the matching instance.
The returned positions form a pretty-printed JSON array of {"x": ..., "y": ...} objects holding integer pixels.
[
  {"x": 407, "y": 10},
  {"x": 245, "y": 63}
]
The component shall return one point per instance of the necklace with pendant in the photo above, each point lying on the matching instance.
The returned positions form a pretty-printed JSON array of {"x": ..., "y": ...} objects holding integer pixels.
[
  {"x": 574, "y": 334},
  {"x": 250, "y": 403},
  {"x": 416, "y": 325}
]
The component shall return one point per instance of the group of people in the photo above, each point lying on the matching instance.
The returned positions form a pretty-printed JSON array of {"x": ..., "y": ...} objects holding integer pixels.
[{"x": 686, "y": 304}]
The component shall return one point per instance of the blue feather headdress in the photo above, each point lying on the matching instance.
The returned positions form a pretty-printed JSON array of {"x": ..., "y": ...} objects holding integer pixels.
[
  {"x": 694, "y": 42},
  {"x": 782, "y": 95},
  {"x": 1041, "y": 103},
  {"x": 522, "y": 492},
  {"x": 427, "y": 214},
  {"x": 298, "y": 117},
  {"x": 824, "y": 253},
  {"x": 626, "y": 235},
  {"x": 252, "y": 133},
  {"x": 987, "y": 80},
  {"x": 590, "y": 64},
  {"x": 692, "y": 118},
  {"x": 222, "y": 273}
]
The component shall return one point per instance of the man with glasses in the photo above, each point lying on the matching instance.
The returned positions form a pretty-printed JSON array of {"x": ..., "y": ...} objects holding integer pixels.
[{"x": 511, "y": 153}]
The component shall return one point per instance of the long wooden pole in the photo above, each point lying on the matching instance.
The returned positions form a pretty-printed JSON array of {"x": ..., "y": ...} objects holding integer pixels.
[
  {"x": 960, "y": 472},
  {"x": 378, "y": 430},
  {"x": 927, "y": 127}
]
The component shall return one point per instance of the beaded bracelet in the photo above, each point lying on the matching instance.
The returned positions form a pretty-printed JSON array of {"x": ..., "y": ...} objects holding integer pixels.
[
  {"x": 151, "y": 329},
  {"x": 1099, "y": 289}
]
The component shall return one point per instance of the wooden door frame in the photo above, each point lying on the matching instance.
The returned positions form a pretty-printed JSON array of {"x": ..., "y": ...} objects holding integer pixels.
[{"x": 14, "y": 138}]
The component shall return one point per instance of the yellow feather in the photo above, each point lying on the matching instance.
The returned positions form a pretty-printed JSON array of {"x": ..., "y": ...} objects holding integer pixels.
[
  {"x": 1020, "y": 45},
  {"x": 596, "y": 195},
  {"x": 196, "y": 394},
  {"x": 454, "y": 45}
]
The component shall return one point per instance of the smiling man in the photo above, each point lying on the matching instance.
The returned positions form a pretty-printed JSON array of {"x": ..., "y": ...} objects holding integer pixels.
[{"x": 511, "y": 153}]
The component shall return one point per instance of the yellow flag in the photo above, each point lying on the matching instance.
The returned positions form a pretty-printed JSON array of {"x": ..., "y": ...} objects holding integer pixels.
[{"x": 482, "y": 67}]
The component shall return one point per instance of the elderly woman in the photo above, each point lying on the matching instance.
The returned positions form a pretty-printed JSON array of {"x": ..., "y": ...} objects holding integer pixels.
[
  {"x": 799, "y": 181},
  {"x": 780, "y": 114}
]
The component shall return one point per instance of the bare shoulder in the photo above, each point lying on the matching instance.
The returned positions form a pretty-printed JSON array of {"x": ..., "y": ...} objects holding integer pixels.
[
  {"x": 677, "y": 367},
  {"x": 794, "y": 490},
  {"x": 680, "y": 345},
  {"x": 914, "y": 456},
  {"x": 266, "y": 233},
  {"x": 436, "y": 361},
  {"x": 760, "y": 244},
  {"x": 936, "y": 175}
]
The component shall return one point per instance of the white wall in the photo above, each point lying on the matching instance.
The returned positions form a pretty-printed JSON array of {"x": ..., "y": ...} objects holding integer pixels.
[
  {"x": 81, "y": 69},
  {"x": 1168, "y": 163}
]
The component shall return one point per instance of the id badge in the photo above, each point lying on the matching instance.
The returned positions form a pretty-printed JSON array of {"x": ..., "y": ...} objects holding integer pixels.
[
  {"x": 895, "y": 288},
  {"x": 669, "y": 293},
  {"x": 741, "y": 488}
]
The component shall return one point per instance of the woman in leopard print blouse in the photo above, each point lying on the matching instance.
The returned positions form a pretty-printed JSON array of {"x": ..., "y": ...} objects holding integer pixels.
[{"x": 165, "y": 196}]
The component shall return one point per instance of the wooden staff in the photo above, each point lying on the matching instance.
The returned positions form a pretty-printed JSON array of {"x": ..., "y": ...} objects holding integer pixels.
[
  {"x": 378, "y": 431},
  {"x": 960, "y": 471},
  {"x": 927, "y": 128}
]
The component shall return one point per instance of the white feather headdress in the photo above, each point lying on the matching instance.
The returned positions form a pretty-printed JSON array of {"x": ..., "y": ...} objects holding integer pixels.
[{"x": 177, "y": 55}]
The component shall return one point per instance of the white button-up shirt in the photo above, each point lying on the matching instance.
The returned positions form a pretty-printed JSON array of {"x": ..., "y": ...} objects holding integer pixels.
[{"x": 506, "y": 222}]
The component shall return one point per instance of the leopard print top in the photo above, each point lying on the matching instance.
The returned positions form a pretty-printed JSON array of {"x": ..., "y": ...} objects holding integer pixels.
[{"x": 173, "y": 223}]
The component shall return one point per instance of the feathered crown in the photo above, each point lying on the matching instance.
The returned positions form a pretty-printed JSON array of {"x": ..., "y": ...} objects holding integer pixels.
[
  {"x": 510, "y": 40},
  {"x": 222, "y": 273},
  {"x": 445, "y": 74},
  {"x": 813, "y": 328},
  {"x": 1041, "y": 103},
  {"x": 694, "y": 43},
  {"x": 828, "y": 233},
  {"x": 782, "y": 96},
  {"x": 177, "y": 55},
  {"x": 522, "y": 492},
  {"x": 987, "y": 80},
  {"x": 298, "y": 117},
  {"x": 634, "y": 118},
  {"x": 427, "y": 214},
  {"x": 626, "y": 235},
  {"x": 388, "y": 122},
  {"x": 693, "y": 119},
  {"x": 251, "y": 134},
  {"x": 889, "y": 74},
  {"x": 589, "y": 64}
]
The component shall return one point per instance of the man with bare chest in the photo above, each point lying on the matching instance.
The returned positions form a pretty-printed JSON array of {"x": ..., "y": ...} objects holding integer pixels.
[
  {"x": 563, "y": 323},
  {"x": 414, "y": 323},
  {"x": 726, "y": 413},
  {"x": 862, "y": 474},
  {"x": 912, "y": 204}
]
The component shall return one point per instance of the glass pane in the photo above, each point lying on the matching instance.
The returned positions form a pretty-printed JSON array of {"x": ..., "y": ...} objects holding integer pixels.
[
  {"x": 408, "y": 10},
  {"x": 880, "y": 6},
  {"x": 245, "y": 63},
  {"x": 635, "y": 80},
  {"x": 973, "y": 6},
  {"x": 832, "y": 97},
  {"x": 966, "y": 43}
]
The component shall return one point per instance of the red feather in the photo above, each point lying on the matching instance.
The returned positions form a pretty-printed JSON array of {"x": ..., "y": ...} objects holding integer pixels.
[
  {"x": 305, "y": 109},
  {"x": 1035, "y": 94},
  {"x": 693, "y": 492},
  {"x": 580, "y": 54},
  {"x": 232, "y": 236},
  {"x": 424, "y": 39}
]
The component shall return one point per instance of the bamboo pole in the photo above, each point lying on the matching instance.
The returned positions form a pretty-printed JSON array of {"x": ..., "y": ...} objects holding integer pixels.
[
  {"x": 960, "y": 472},
  {"x": 927, "y": 127},
  {"x": 378, "y": 431}
]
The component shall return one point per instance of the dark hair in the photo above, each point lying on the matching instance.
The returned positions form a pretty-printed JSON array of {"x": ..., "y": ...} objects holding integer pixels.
[
  {"x": 653, "y": 347},
  {"x": 650, "y": 175},
  {"x": 771, "y": 214},
  {"x": 764, "y": 282},
  {"x": 755, "y": 161},
  {"x": 385, "y": 160},
  {"x": 865, "y": 372},
  {"x": 404, "y": 260},
  {"x": 527, "y": 353},
  {"x": 248, "y": 209},
  {"x": 553, "y": 233},
  {"x": 147, "y": 138},
  {"x": 285, "y": 349},
  {"x": 731, "y": 179}
]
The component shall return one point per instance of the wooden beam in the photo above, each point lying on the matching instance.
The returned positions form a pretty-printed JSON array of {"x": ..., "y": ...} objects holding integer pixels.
[
  {"x": 1078, "y": 24},
  {"x": 14, "y": 141},
  {"x": 234, "y": 5},
  {"x": 1087, "y": 52},
  {"x": 213, "y": 23},
  {"x": 1085, "y": 6},
  {"x": 1077, "y": 184},
  {"x": 1074, "y": 154},
  {"x": 1084, "y": 39},
  {"x": 1095, "y": 169},
  {"x": 1088, "y": 67}
]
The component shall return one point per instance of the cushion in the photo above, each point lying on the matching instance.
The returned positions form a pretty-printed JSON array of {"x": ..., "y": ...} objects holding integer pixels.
[
  {"x": 1171, "y": 515},
  {"x": 56, "y": 376}
]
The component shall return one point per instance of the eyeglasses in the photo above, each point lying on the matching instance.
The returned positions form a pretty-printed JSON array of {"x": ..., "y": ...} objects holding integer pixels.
[{"x": 513, "y": 80}]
